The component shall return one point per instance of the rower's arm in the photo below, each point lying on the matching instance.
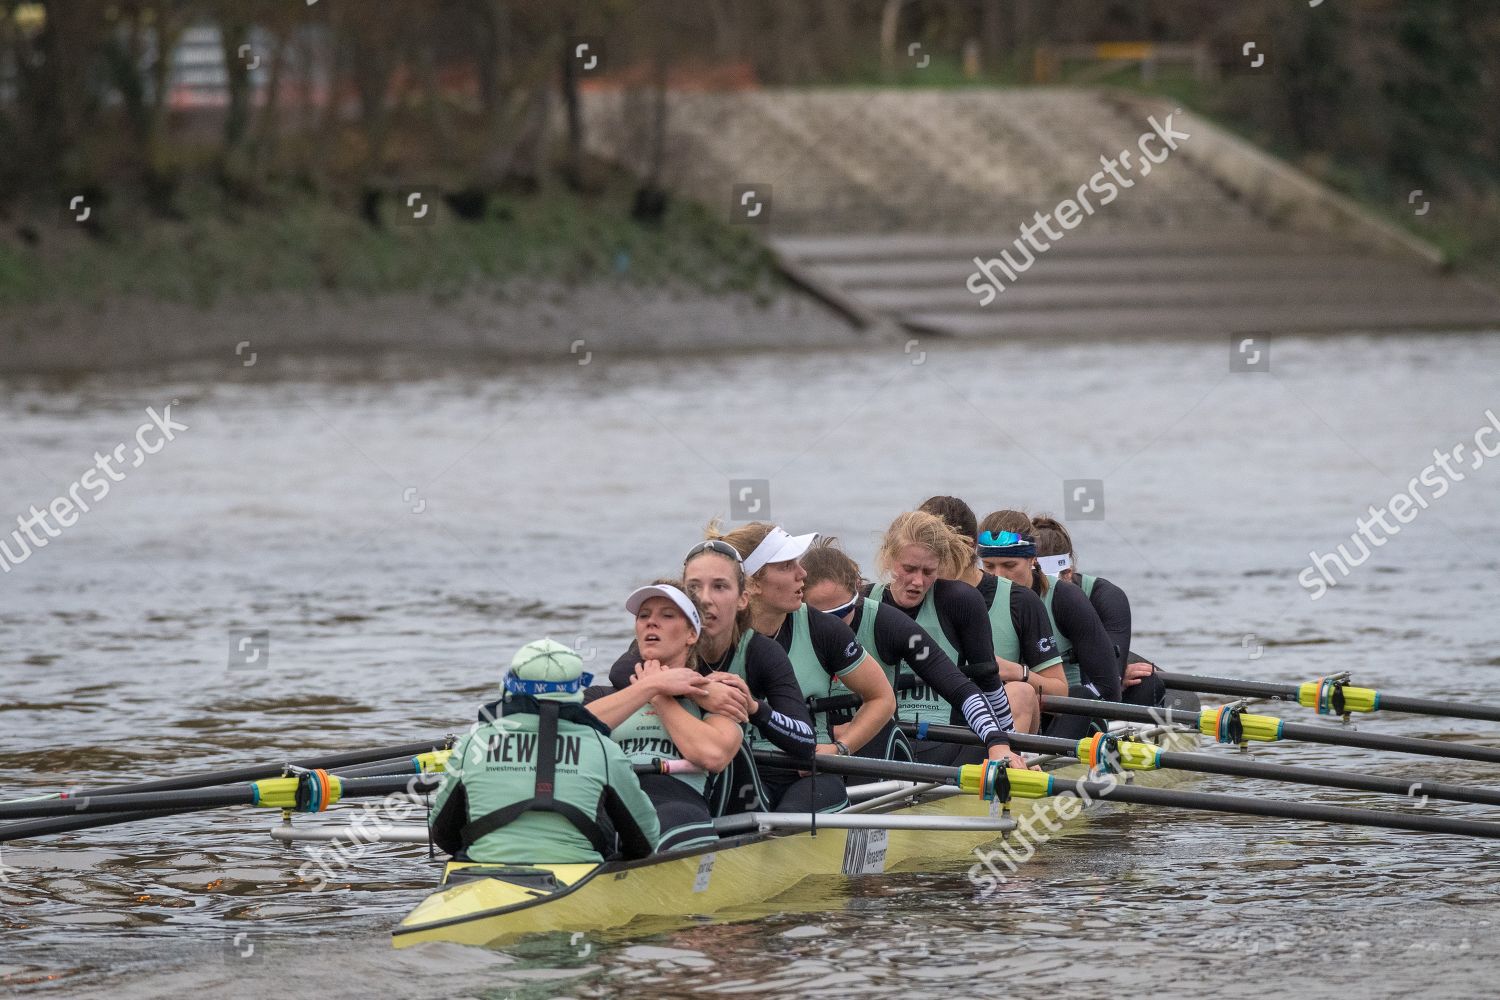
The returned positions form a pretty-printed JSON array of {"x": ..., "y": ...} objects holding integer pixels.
[
  {"x": 901, "y": 639},
  {"x": 450, "y": 806},
  {"x": 878, "y": 703},
  {"x": 613, "y": 709},
  {"x": 781, "y": 715},
  {"x": 1113, "y": 608},
  {"x": 629, "y": 811},
  {"x": 1038, "y": 644},
  {"x": 1077, "y": 619},
  {"x": 710, "y": 742},
  {"x": 1050, "y": 681}
]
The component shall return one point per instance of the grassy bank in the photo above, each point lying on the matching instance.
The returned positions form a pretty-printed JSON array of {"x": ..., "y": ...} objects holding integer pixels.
[{"x": 294, "y": 242}]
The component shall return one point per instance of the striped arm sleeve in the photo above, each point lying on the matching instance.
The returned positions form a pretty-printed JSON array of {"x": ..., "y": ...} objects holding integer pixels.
[
  {"x": 1000, "y": 705},
  {"x": 981, "y": 718},
  {"x": 790, "y": 735}
]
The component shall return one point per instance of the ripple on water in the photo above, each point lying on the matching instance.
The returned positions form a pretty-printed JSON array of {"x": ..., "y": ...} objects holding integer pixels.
[{"x": 384, "y": 636}]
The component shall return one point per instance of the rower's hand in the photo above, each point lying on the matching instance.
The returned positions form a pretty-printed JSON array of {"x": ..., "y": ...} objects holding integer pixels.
[
  {"x": 1137, "y": 672},
  {"x": 675, "y": 682},
  {"x": 736, "y": 681},
  {"x": 1010, "y": 758},
  {"x": 723, "y": 699}
]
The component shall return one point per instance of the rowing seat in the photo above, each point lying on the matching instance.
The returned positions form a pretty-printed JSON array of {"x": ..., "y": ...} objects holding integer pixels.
[{"x": 520, "y": 875}]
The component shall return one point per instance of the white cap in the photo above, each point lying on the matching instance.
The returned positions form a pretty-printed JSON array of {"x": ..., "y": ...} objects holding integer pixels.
[
  {"x": 641, "y": 595},
  {"x": 778, "y": 546},
  {"x": 1053, "y": 565}
]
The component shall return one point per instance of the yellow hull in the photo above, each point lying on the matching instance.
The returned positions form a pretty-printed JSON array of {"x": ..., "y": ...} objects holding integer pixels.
[{"x": 737, "y": 872}]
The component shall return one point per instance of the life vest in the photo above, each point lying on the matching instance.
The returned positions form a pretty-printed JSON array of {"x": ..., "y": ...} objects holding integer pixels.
[
  {"x": 543, "y": 798},
  {"x": 1002, "y": 625}
]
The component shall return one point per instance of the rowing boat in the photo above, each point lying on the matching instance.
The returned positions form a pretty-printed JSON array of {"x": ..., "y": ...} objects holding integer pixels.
[{"x": 487, "y": 904}]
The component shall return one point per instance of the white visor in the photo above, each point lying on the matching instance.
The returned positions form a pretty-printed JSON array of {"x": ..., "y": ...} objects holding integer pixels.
[
  {"x": 1054, "y": 565},
  {"x": 641, "y": 595},
  {"x": 777, "y": 547}
]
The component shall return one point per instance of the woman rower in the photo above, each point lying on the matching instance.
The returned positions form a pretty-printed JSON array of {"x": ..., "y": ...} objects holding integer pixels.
[
  {"x": 921, "y": 556},
  {"x": 834, "y": 585},
  {"x": 1025, "y": 647},
  {"x": 1055, "y": 557},
  {"x": 1007, "y": 549},
  {"x": 536, "y": 777},
  {"x": 822, "y": 649},
  {"x": 653, "y": 719},
  {"x": 750, "y": 676}
]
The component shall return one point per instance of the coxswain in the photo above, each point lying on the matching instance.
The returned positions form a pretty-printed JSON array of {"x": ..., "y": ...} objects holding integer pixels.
[{"x": 537, "y": 780}]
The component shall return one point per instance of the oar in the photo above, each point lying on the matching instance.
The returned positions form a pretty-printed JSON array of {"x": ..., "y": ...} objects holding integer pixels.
[
  {"x": 309, "y": 791},
  {"x": 1329, "y": 696},
  {"x": 1108, "y": 753},
  {"x": 254, "y": 772},
  {"x": 1229, "y": 724},
  {"x": 995, "y": 782},
  {"x": 31, "y": 828}
]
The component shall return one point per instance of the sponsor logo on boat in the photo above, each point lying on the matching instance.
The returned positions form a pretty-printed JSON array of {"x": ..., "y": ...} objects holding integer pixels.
[{"x": 864, "y": 852}]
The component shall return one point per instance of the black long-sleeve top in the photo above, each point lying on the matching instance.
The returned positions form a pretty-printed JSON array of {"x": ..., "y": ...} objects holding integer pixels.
[{"x": 1092, "y": 647}]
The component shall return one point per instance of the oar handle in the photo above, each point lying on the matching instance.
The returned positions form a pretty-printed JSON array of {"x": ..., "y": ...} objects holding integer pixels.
[{"x": 847, "y": 702}]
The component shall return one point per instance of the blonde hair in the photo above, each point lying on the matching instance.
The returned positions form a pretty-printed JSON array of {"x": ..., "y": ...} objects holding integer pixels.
[
  {"x": 917, "y": 527},
  {"x": 744, "y": 538}
]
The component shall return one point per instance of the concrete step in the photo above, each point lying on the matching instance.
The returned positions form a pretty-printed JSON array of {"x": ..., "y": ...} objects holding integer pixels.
[
  {"x": 1225, "y": 241},
  {"x": 1075, "y": 272},
  {"x": 1197, "y": 320},
  {"x": 1283, "y": 290}
]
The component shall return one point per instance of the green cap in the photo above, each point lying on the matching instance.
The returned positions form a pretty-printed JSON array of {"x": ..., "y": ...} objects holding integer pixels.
[{"x": 547, "y": 669}]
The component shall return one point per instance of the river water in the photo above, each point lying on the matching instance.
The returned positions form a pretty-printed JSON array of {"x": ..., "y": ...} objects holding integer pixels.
[{"x": 397, "y": 529}]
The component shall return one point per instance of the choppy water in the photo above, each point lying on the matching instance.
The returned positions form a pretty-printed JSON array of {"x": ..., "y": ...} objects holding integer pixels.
[{"x": 398, "y": 531}]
